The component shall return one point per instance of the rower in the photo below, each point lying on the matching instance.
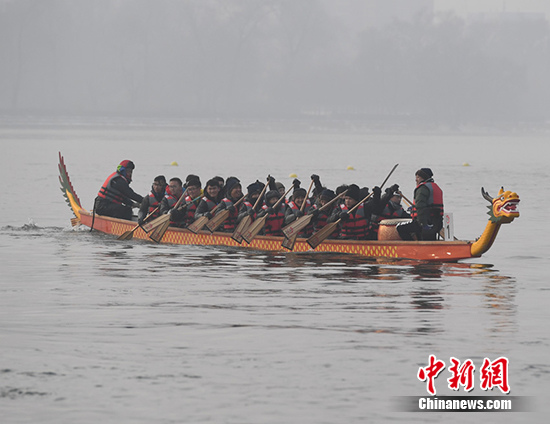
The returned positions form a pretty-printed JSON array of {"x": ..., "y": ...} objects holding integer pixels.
[
  {"x": 233, "y": 192},
  {"x": 253, "y": 192},
  {"x": 276, "y": 216},
  {"x": 356, "y": 225},
  {"x": 294, "y": 210},
  {"x": 151, "y": 203},
  {"x": 210, "y": 199},
  {"x": 173, "y": 193},
  {"x": 320, "y": 218},
  {"x": 116, "y": 198}
]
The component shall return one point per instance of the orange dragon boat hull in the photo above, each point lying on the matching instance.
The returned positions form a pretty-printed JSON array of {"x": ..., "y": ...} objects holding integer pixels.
[{"x": 438, "y": 251}]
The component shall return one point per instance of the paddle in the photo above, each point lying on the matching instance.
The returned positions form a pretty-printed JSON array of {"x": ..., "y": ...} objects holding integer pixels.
[
  {"x": 300, "y": 223},
  {"x": 321, "y": 235},
  {"x": 289, "y": 242},
  {"x": 254, "y": 228},
  {"x": 158, "y": 222},
  {"x": 220, "y": 217},
  {"x": 127, "y": 235},
  {"x": 245, "y": 221},
  {"x": 201, "y": 221}
]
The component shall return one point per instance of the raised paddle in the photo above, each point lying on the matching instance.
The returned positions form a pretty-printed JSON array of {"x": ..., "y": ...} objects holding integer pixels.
[
  {"x": 289, "y": 242},
  {"x": 296, "y": 226},
  {"x": 201, "y": 221},
  {"x": 321, "y": 235},
  {"x": 254, "y": 228},
  {"x": 220, "y": 217},
  {"x": 127, "y": 235},
  {"x": 245, "y": 221}
]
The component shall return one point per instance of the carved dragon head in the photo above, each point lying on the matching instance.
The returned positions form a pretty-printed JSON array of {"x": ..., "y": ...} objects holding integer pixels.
[{"x": 504, "y": 207}]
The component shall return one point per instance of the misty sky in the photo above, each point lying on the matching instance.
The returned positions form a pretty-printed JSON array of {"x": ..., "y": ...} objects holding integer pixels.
[{"x": 380, "y": 60}]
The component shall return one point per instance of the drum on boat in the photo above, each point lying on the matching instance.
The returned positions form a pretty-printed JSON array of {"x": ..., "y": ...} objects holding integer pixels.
[{"x": 387, "y": 229}]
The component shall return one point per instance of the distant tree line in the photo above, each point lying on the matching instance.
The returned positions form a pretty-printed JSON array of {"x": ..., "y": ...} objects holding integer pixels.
[{"x": 257, "y": 59}]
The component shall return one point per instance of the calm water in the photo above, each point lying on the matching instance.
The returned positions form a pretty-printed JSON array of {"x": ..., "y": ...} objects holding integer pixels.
[{"x": 97, "y": 330}]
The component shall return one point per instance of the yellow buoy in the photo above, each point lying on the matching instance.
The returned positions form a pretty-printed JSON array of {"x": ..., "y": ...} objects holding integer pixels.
[
  {"x": 293, "y": 176},
  {"x": 465, "y": 164},
  {"x": 174, "y": 163},
  {"x": 350, "y": 168}
]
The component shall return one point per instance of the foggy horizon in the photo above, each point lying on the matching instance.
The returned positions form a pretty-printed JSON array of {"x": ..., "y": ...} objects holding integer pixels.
[{"x": 271, "y": 59}]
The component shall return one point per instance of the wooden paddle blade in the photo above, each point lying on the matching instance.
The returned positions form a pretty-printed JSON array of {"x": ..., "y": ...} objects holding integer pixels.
[
  {"x": 297, "y": 226},
  {"x": 156, "y": 223},
  {"x": 321, "y": 235},
  {"x": 253, "y": 229},
  {"x": 241, "y": 227},
  {"x": 289, "y": 242},
  {"x": 218, "y": 220},
  {"x": 126, "y": 235},
  {"x": 197, "y": 225},
  {"x": 157, "y": 234}
]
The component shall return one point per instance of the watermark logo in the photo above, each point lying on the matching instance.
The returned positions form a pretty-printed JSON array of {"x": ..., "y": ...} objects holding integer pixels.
[{"x": 493, "y": 374}]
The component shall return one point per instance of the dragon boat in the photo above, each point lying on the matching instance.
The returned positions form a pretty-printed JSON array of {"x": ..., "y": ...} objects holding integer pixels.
[{"x": 503, "y": 209}]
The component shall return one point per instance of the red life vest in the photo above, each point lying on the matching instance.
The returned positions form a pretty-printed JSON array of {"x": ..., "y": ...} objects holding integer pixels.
[
  {"x": 357, "y": 226},
  {"x": 274, "y": 223},
  {"x": 153, "y": 204},
  {"x": 108, "y": 192},
  {"x": 190, "y": 211},
  {"x": 308, "y": 229},
  {"x": 435, "y": 201},
  {"x": 231, "y": 221},
  {"x": 322, "y": 220},
  {"x": 171, "y": 200}
]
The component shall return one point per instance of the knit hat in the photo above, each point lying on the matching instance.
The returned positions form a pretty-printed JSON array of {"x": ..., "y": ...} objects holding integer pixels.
[
  {"x": 425, "y": 173},
  {"x": 230, "y": 184},
  {"x": 299, "y": 192},
  {"x": 353, "y": 192},
  {"x": 327, "y": 195},
  {"x": 272, "y": 194},
  {"x": 279, "y": 185},
  {"x": 255, "y": 187}
]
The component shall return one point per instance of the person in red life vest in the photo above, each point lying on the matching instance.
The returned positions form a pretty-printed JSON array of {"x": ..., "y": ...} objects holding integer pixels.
[
  {"x": 185, "y": 213},
  {"x": 356, "y": 225},
  {"x": 233, "y": 192},
  {"x": 247, "y": 208},
  {"x": 320, "y": 218},
  {"x": 293, "y": 210},
  {"x": 173, "y": 193},
  {"x": 427, "y": 209},
  {"x": 115, "y": 197},
  {"x": 210, "y": 200},
  {"x": 152, "y": 201},
  {"x": 275, "y": 216}
]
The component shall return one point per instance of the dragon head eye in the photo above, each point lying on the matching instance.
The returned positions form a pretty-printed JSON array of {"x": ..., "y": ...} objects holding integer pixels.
[{"x": 502, "y": 198}]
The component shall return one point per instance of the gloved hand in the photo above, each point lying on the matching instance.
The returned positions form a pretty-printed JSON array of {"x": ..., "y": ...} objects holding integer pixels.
[
  {"x": 376, "y": 190},
  {"x": 296, "y": 183},
  {"x": 299, "y": 214},
  {"x": 208, "y": 215},
  {"x": 270, "y": 210},
  {"x": 315, "y": 178},
  {"x": 314, "y": 212},
  {"x": 251, "y": 212},
  {"x": 394, "y": 188},
  {"x": 344, "y": 215},
  {"x": 270, "y": 179},
  {"x": 231, "y": 208},
  {"x": 140, "y": 221}
]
